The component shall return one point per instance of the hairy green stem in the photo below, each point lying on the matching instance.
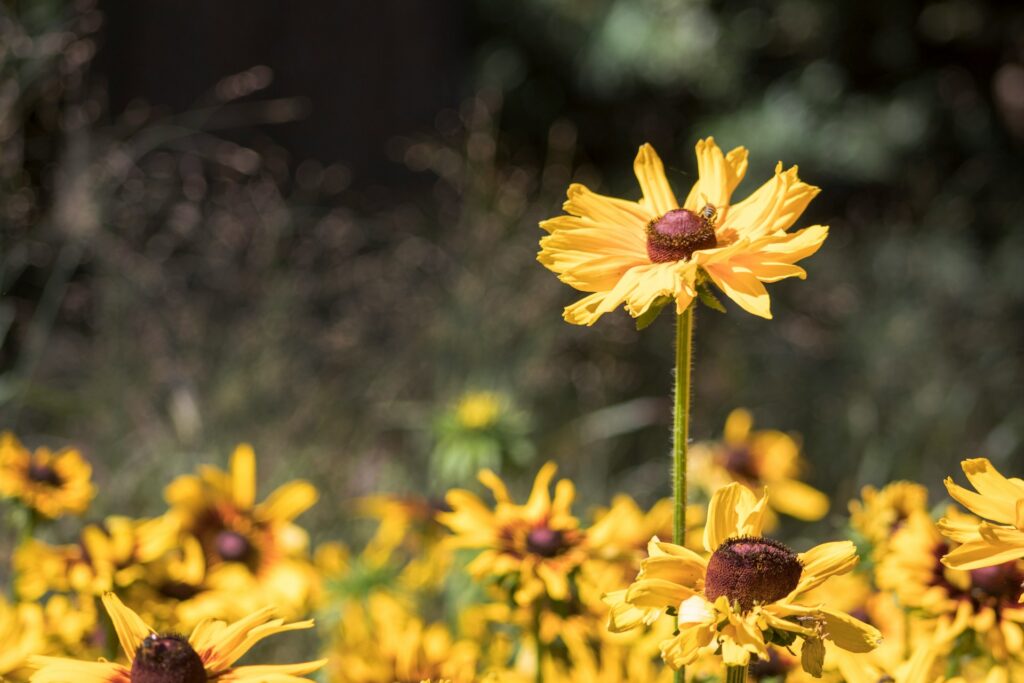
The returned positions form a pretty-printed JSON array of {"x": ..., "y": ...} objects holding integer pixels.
[
  {"x": 736, "y": 674},
  {"x": 681, "y": 431}
]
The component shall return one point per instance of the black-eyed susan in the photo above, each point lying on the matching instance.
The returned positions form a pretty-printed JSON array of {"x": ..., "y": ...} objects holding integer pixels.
[
  {"x": 747, "y": 593},
  {"x": 880, "y": 512},
  {"x": 999, "y": 536},
  {"x": 536, "y": 546},
  {"x": 409, "y": 528},
  {"x": 984, "y": 600},
  {"x": 49, "y": 483},
  {"x": 219, "y": 508},
  {"x": 758, "y": 458},
  {"x": 208, "y": 654},
  {"x": 637, "y": 253}
]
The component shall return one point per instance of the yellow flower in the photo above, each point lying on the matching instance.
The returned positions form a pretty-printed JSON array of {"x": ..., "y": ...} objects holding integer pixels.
[
  {"x": 745, "y": 595},
  {"x": 636, "y": 253},
  {"x": 985, "y": 599},
  {"x": 999, "y": 537},
  {"x": 540, "y": 542},
  {"x": 881, "y": 512},
  {"x": 478, "y": 409},
  {"x": 220, "y": 509},
  {"x": 51, "y": 484},
  {"x": 757, "y": 459},
  {"x": 410, "y": 524},
  {"x": 21, "y": 632},
  {"x": 382, "y": 641},
  {"x": 207, "y": 655}
]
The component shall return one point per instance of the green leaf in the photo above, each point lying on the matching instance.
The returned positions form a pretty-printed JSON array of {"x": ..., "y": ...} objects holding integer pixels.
[
  {"x": 709, "y": 299},
  {"x": 651, "y": 314}
]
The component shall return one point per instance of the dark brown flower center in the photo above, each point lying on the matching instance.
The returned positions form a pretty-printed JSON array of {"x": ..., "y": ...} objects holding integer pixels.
[
  {"x": 679, "y": 233},
  {"x": 741, "y": 462},
  {"x": 545, "y": 541},
  {"x": 44, "y": 474},
  {"x": 749, "y": 570},
  {"x": 1001, "y": 581},
  {"x": 232, "y": 546},
  {"x": 167, "y": 659}
]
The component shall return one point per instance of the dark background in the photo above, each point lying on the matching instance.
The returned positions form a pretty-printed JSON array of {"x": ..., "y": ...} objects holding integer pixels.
[{"x": 313, "y": 226}]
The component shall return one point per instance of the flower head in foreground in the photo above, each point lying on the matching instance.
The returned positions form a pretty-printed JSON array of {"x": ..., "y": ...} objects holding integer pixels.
[
  {"x": 756, "y": 459},
  {"x": 538, "y": 543},
  {"x": 999, "y": 536},
  {"x": 745, "y": 595},
  {"x": 638, "y": 253},
  {"x": 206, "y": 655},
  {"x": 51, "y": 484}
]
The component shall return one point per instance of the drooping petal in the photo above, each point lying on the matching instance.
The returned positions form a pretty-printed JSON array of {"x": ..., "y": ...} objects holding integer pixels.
[
  {"x": 658, "y": 197},
  {"x": 850, "y": 633},
  {"x": 657, "y": 593},
  {"x": 743, "y": 287}
]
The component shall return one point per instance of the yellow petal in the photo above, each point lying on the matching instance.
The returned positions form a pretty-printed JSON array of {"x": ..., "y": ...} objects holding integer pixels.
[
  {"x": 657, "y": 593},
  {"x": 243, "y": 476},
  {"x": 131, "y": 629},
  {"x": 734, "y": 511},
  {"x": 985, "y": 553},
  {"x": 738, "y": 426},
  {"x": 602, "y": 209},
  {"x": 658, "y": 198},
  {"x": 742, "y": 286},
  {"x": 824, "y": 561},
  {"x": 850, "y": 633},
  {"x": 288, "y": 501},
  {"x": 61, "y": 670},
  {"x": 797, "y": 499},
  {"x": 539, "y": 503}
]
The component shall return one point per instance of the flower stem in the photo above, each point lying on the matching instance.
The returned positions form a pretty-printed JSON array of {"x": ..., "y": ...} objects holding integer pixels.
[
  {"x": 681, "y": 432},
  {"x": 539, "y": 674},
  {"x": 736, "y": 674},
  {"x": 681, "y": 421}
]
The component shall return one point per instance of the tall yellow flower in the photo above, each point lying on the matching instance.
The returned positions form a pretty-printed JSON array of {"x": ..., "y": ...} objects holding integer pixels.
[
  {"x": 765, "y": 457},
  {"x": 745, "y": 595},
  {"x": 539, "y": 543},
  {"x": 999, "y": 536},
  {"x": 207, "y": 655},
  {"x": 639, "y": 252},
  {"x": 51, "y": 484}
]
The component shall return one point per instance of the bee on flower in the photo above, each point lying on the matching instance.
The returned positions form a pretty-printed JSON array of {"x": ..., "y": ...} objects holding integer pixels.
[
  {"x": 747, "y": 594},
  {"x": 208, "y": 654},
  {"x": 49, "y": 484},
  {"x": 758, "y": 458},
  {"x": 643, "y": 254}
]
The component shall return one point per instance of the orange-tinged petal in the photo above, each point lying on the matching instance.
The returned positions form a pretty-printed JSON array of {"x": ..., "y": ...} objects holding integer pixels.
[
  {"x": 658, "y": 197},
  {"x": 743, "y": 287}
]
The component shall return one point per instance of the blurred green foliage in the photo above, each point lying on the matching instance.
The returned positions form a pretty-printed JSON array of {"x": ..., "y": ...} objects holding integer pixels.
[{"x": 168, "y": 293}]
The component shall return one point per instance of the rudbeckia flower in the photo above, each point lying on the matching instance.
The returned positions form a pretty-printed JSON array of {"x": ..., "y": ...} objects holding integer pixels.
[
  {"x": 51, "y": 484},
  {"x": 746, "y": 595},
  {"x": 880, "y": 512},
  {"x": 999, "y": 536},
  {"x": 538, "y": 543},
  {"x": 642, "y": 253},
  {"x": 220, "y": 509},
  {"x": 206, "y": 655},
  {"x": 757, "y": 459}
]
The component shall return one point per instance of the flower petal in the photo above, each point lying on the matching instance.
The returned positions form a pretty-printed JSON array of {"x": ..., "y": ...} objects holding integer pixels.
[
  {"x": 131, "y": 629},
  {"x": 718, "y": 175},
  {"x": 743, "y": 287},
  {"x": 734, "y": 510},
  {"x": 658, "y": 197},
  {"x": 824, "y": 561}
]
